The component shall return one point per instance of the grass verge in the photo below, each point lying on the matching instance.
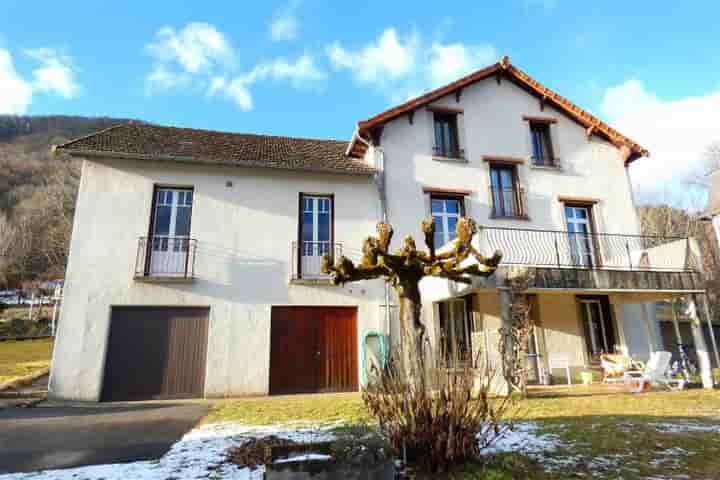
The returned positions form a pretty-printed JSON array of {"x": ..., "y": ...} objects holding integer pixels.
[{"x": 20, "y": 358}]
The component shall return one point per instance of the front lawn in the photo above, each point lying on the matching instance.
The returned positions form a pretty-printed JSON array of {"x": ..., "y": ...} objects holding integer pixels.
[
  {"x": 20, "y": 358},
  {"x": 652, "y": 435}
]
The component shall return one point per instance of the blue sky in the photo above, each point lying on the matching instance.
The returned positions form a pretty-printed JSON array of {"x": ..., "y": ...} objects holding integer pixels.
[{"x": 313, "y": 68}]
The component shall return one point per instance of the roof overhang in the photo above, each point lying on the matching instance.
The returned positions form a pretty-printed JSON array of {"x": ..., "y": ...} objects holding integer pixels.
[{"x": 503, "y": 69}]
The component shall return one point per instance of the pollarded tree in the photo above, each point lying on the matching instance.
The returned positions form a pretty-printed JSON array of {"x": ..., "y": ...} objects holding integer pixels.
[{"x": 406, "y": 267}]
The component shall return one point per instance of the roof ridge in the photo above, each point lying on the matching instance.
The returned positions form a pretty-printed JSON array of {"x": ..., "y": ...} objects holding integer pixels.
[{"x": 206, "y": 130}]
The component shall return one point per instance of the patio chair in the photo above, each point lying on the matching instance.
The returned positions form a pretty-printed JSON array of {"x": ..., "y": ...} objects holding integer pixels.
[
  {"x": 560, "y": 361},
  {"x": 616, "y": 365},
  {"x": 655, "y": 373}
]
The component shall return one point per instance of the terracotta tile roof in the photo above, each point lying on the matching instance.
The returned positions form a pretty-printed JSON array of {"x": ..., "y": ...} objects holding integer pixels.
[
  {"x": 506, "y": 70},
  {"x": 147, "y": 141}
]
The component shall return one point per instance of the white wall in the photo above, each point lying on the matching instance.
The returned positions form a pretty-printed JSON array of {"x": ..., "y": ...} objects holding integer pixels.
[
  {"x": 492, "y": 124},
  {"x": 244, "y": 236}
]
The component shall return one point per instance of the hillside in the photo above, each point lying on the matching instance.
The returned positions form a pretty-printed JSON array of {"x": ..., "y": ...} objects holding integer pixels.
[{"x": 37, "y": 192}]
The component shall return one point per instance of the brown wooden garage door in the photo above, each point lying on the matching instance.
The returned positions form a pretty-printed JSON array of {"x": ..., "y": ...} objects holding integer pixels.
[
  {"x": 313, "y": 349},
  {"x": 155, "y": 353}
]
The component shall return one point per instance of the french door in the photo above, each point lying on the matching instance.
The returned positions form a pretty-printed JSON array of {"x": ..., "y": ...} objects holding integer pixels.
[
  {"x": 579, "y": 225},
  {"x": 599, "y": 334},
  {"x": 315, "y": 234},
  {"x": 170, "y": 233},
  {"x": 504, "y": 192}
]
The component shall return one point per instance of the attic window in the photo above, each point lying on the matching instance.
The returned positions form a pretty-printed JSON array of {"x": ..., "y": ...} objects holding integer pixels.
[
  {"x": 542, "y": 148},
  {"x": 446, "y": 135}
]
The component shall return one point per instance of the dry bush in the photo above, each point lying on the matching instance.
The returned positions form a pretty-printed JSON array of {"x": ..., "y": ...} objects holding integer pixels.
[{"x": 437, "y": 413}]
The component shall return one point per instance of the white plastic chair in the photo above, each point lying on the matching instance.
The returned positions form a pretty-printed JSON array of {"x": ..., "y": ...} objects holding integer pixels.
[
  {"x": 560, "y": 361},
  {"x": 656, "y": 373}
]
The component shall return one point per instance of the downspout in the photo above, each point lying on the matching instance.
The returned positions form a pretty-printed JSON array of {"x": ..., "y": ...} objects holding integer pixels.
[{"x": 379, "y": 155}]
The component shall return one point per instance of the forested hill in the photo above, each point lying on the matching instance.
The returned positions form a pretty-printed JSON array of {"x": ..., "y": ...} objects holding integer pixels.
[
  {"x": 25, "y": 142},
  {"x": 37, "y": 192}
]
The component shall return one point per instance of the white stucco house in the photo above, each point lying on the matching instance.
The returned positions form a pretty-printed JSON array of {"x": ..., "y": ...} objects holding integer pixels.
[{"x": 194, "y": 260}]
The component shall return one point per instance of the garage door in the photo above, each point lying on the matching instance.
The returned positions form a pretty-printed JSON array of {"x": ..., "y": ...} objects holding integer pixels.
[
  {"x": 155, "y": 353},
  {"x": 313, "y": 349}
]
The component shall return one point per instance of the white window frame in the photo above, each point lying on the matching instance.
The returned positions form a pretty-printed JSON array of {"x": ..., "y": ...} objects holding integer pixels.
[{"x": 445, "y": 215}]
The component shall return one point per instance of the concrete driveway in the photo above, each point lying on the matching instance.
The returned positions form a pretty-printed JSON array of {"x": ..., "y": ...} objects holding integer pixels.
[{"x": 59, "y": 436}]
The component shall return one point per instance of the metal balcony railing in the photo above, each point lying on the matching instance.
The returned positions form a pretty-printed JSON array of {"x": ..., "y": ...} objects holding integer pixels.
[
  {"x": 563, "y": 249},
  {"x": 306, "y": 258},
  {"x": 163, "y": 256},
  {"x": 507, "y": 202}
]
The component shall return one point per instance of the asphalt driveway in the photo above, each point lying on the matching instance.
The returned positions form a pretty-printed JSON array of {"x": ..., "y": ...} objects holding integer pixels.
[{"x": 59, "y": 436}]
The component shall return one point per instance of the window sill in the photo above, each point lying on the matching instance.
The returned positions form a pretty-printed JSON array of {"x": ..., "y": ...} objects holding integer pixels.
[
  {"x": 439, "y": 158},
  {"x": 510, "y": 217},
  {"x": 311, "y": 281},
  {"x": 552, "y": 168},
  {"x": 162, "y": 279}
]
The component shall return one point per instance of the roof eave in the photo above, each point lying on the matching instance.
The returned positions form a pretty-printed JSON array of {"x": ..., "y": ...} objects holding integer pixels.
[{"x": 205, "y": 161}]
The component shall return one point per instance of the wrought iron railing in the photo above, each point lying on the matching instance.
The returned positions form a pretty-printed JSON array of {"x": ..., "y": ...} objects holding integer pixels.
[
  {"x": 165, "y": 256},
  {"x": 449, "y": 152},
  {"x": 507, "y": 202},
  {"x": 307, "y": 256},
  {"x": 563, "y": 249}
]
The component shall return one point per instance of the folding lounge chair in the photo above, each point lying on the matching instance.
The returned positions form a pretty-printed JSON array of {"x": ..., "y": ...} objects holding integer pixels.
[{"x": 655, "y": 373}]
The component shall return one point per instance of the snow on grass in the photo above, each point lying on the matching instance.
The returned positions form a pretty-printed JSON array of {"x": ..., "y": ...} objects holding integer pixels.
[
  {"x": 200, "y": 454},
  {"x": 524, "y": 438},
  {"x": 686, "y": 427}
]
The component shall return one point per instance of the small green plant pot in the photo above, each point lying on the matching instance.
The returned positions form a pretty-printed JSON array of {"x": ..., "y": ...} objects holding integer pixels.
[{"x": 586, "y": 378}]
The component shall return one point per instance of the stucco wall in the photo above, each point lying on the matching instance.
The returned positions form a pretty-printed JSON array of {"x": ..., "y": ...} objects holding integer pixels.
[
  {"x": 492, "y": 124},
  {"x": 561, "y": 328},
  {"x": 244, "y": 234}
]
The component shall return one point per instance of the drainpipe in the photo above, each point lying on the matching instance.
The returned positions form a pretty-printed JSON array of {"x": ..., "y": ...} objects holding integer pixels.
[{"x": 379, "y": 157}]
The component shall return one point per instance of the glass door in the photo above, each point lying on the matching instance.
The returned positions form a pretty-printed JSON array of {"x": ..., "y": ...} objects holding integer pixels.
[
  {"x": 315, "y": 234},
  {"x": 582, "y": 252},
  {"x": 170, "y": 237},
  {"x": 502, "y": 179},
  {"x": 597, "y": 330}
]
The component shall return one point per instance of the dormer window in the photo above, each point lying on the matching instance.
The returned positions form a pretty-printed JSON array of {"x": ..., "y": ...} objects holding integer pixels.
[
  {"x": 447, "y": 142},
  {"x": 542, "y": 148}
]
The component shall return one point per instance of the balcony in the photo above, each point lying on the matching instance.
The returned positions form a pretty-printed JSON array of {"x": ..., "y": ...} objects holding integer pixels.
[
  {"x": 508, "y": 203},
  {"x": 163, "y": 258},
  {"x": 306, "y": 258},
  {"x": 598, "y": 260}
]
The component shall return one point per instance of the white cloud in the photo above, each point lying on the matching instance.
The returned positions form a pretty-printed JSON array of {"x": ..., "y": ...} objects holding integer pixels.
[
  {"x": 16, "y": 92},
  {"x": 676, "y": 132},
  {"x": 56, "y": 73},
  {"x": 301, "y": 73},
  {"x": 404, "y": 65},
  {"x": 236, "y": 90},
  {"x": 197, "y": 47},
  {"x": 452, "y": 61},
  {"x": 284, "y": 24},
  {"x": 388, "y": 56},
  {"x": 54, "y": 76},
  {"x": 200, "y": 57}
]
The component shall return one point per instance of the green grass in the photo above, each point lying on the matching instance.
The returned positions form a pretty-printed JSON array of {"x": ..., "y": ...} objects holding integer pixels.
[
  {"x": 309, "y": 409},
  {"x": 20, "y": 358},
  {"x": 605, "y": 435}
]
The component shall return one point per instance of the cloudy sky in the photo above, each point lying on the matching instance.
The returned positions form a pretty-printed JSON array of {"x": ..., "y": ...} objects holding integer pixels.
[{"x": 313, "y": 68}]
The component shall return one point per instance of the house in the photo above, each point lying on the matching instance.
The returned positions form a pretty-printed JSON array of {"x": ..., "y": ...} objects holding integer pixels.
[{"x": 194, "y": 266}]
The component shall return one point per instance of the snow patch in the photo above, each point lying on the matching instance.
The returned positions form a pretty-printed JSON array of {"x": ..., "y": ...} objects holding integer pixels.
[
  {"x": 666, "y": 427},
  {"x": 200, "y": 454}
]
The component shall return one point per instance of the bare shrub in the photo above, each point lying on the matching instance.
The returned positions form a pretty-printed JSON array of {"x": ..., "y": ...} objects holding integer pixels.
[{"x": 441, "y": 415}]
